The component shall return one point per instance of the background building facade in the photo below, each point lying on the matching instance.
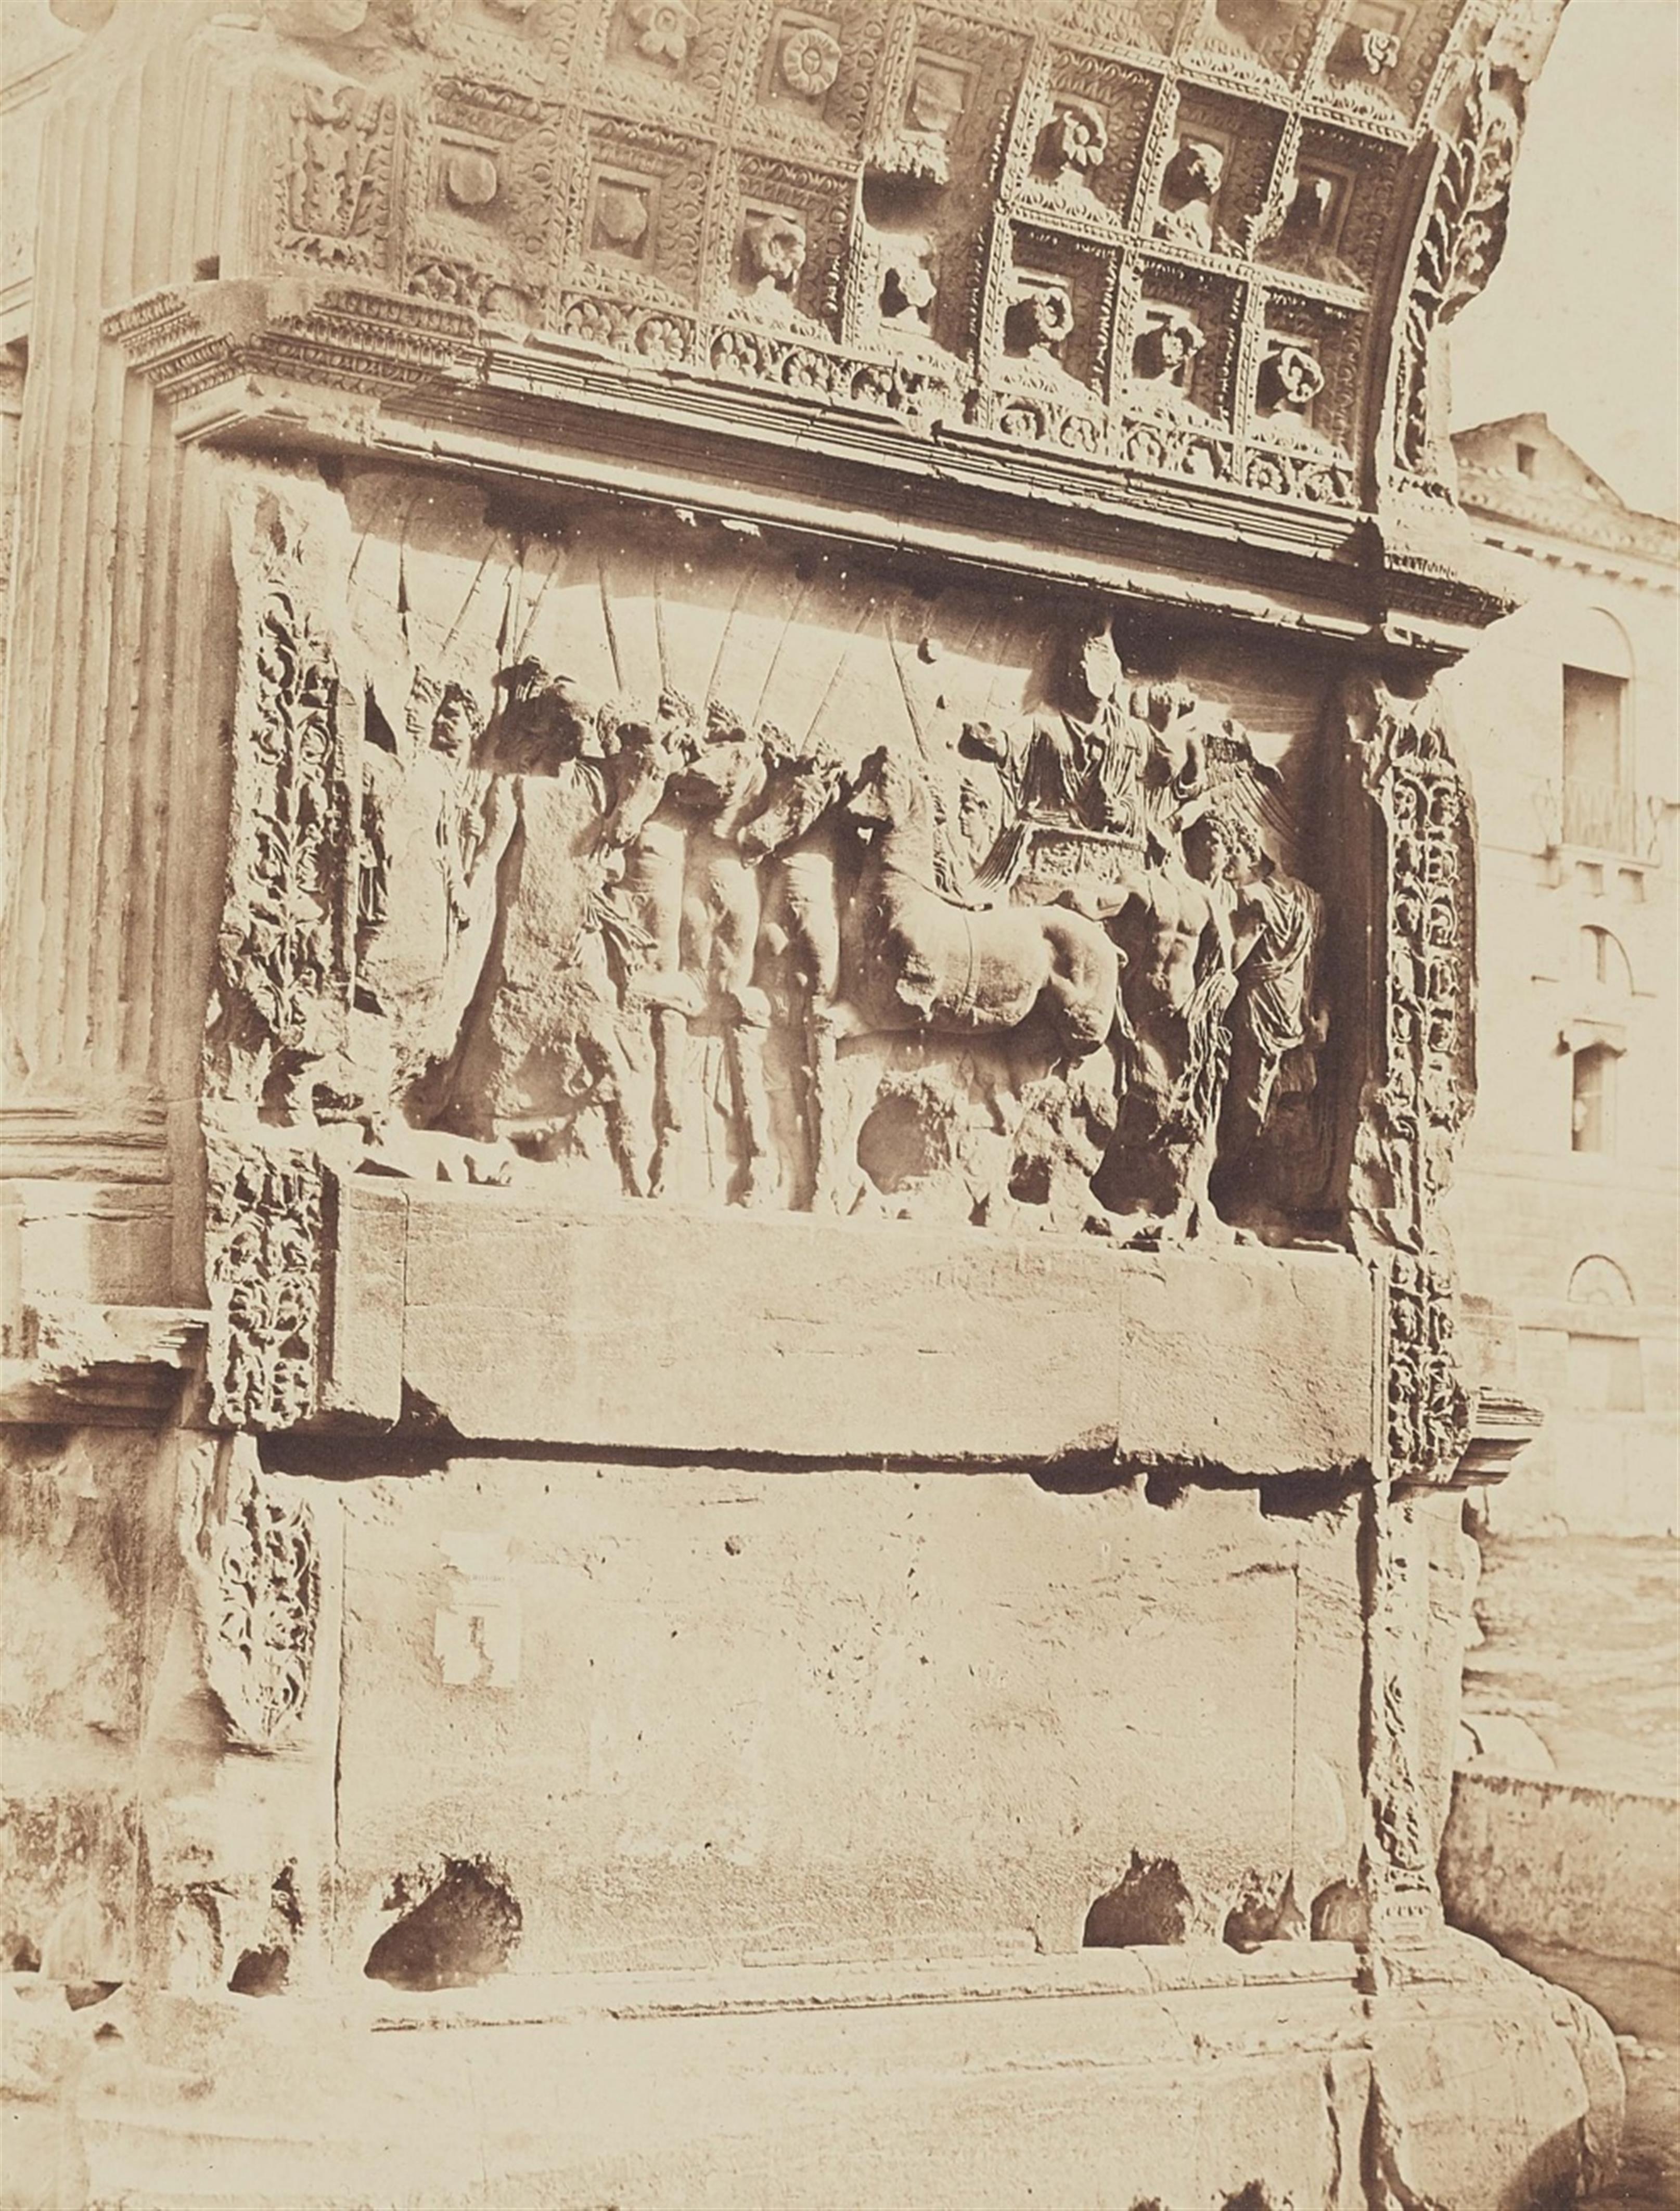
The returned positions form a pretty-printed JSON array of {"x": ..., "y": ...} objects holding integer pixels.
[{"x": 1567, "y": 1206}]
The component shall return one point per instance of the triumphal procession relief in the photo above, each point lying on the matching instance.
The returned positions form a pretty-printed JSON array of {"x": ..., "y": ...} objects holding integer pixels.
[
  {"x": 741, "y": 977},
  {"x": 763, "y": 883}
]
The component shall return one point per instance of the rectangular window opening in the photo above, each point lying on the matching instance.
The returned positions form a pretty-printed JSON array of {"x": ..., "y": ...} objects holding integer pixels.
[
  {"x": 1592, "y": 705},
  {"x": 1606, "y": 1374},
  {"x": 1590, "y": 1118}
]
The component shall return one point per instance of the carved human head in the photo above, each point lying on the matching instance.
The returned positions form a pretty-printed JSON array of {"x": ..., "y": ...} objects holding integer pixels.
[
  {"x": 677, "y": 722},
  {"x": 1194, "y": 171},
  {"x": 1220, "y": 842},
  {"x": 457, "y": 721},
  {"x": 726, "y": 724},
  {"x": 1096, "y": 669},
  {"x": 544, "y": 718},
  {"x": 1169, "y": 340},
  {"x": 630, "y": 725}
]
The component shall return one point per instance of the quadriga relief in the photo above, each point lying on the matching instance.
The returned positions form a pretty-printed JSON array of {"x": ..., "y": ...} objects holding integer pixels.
[{"x": 685, "y": 867}]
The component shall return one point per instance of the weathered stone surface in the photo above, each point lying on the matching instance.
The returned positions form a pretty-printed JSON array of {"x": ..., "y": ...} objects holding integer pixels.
[
  {"x": 1058, "y": 1685},
  {"x": 519, "y": 1322},
  {"x": 859, "y": 2093},
  {"x": 1554, "y": 1865},
  {"x": 731, "y": 755}
]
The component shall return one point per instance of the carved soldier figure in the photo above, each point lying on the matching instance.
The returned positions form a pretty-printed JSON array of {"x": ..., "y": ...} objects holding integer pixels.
[
  {"x": 1276, "y": 1021},
  {"x": 432, "y": 833},
  {"x": 1173, "y": 926},
  {"x": 544, "y": 1037},
  {"x": 718, "y": 790},
  {"x": 1175, "y": 766}
]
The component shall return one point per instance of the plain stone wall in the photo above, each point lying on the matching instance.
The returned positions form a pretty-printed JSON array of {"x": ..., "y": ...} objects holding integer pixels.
[
  {"x": 720, "y": 1715},
  {"x": 1545, "y": 1862}
]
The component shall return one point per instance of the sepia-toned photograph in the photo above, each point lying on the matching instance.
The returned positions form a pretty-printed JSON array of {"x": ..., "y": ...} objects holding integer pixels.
[{"x": 840, "y": 1105}]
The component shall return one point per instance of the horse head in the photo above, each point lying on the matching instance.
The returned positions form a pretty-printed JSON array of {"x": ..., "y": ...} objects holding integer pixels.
[
  {"x": 802, "y": 785},
  {"x": 880, "y": 792}
]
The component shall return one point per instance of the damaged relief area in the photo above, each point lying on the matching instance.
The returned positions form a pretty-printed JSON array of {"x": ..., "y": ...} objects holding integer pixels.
[
  {"x": 1152, "y": 1905},
  {"x": 464, "y": 1929}
]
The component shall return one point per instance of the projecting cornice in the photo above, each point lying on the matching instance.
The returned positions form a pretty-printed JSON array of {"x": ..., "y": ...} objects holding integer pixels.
[{"x": 1181, "y": 266}]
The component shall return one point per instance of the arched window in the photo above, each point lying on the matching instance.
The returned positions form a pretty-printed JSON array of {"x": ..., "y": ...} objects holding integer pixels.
[
  {"x": 1606, "y": 1358},
  {"x": 1598, "y": 1280},
  {"x": 1591, "y": 1122},
  {"x": 1605, "y": 964}
]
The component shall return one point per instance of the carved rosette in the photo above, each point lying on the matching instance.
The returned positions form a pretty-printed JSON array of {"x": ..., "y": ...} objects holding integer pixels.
[
  {"x": 263, "y": 1260},
  {"x": 252, "y": 1553}
]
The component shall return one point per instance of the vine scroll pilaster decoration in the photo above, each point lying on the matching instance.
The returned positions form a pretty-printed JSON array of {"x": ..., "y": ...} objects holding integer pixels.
[
  {"x": 1425, "y": 1046},
  {"x": 252, "y": 1553},
  {"x": 264, "y": 1261},
  {"x": 1462, "y": 240},
  {"x": 286, "y": 941},
  {"x": 1418, "y": 1097}
]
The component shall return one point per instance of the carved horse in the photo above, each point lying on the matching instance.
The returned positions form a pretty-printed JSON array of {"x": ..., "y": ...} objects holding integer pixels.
[{"x": 914, "y": 958}]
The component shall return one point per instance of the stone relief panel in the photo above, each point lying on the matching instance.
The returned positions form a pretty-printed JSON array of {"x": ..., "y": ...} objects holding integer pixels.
[
  {"x": 336, "y": 190},
  {"x": 685, "y": 870}
]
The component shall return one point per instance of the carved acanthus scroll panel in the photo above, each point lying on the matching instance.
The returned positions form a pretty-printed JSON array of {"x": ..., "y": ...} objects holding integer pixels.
[{"x": 654, "y": 863}]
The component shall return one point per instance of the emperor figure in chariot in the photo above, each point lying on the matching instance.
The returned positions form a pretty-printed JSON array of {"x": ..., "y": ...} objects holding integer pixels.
[{"x": 1072, "y": 778}]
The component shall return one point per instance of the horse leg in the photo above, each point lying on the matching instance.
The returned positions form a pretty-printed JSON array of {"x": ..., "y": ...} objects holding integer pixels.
[
  {"x": 1082, "y": 989},
  {"x": 748, "y": 1027},
  {"x": 838, "y": 1118}
]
